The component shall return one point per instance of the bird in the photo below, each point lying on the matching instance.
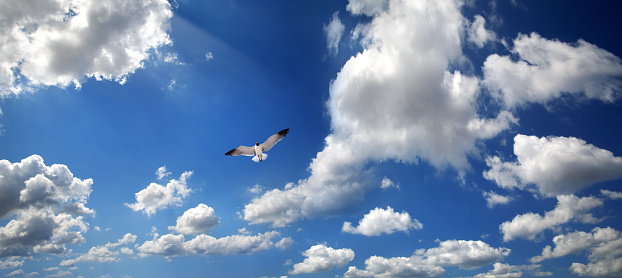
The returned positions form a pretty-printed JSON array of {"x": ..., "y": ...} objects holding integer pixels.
[{"x": 258, "y": 151}]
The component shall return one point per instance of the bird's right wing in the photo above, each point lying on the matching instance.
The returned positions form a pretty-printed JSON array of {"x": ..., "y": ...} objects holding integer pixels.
[
  {"x": 275, "y": 138},
  {"x": 242, "y": 150}
]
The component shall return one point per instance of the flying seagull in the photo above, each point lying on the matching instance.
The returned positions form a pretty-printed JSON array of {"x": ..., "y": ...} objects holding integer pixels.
[{"x": 258, "y": 151}]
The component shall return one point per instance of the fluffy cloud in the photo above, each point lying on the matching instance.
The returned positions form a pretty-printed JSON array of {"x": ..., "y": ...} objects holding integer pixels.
[
  {"x": 196, "y": 220},
  {"x": 478, "y": 34},
  {"x": 333, "y": 31},
  {"x": 379, "y": 221},
  {"x": 377, "y": 112},
  {"x": 62, "y": 42},
  {"x": 493, "y": 199},
  {"x": 554, "y": 165},
  {"x": 9, "y": 263},
  {"x": 104, "y": 253},
  {"x": 47, "y": 203},
  {"x": 430, "y": 262},
  {"x": 156, "y": 196},
  {"x": 501, "y": 270},
  {"x": 546, "y": 69},
  {"x": 170, "y": 245},
  {"x": 569, "y": 207},
  {"x": 322, "y": 258}
]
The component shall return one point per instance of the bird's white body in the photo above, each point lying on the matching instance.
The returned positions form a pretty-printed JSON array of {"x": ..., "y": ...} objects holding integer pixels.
[{"x": 259, "y": 155}]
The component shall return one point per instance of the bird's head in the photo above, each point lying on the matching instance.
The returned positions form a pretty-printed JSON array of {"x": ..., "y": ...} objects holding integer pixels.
[{"x": 257, "y": 144}]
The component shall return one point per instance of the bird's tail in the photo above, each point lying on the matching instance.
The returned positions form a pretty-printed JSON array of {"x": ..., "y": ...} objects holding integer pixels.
[{"x": 263, "y": 157}]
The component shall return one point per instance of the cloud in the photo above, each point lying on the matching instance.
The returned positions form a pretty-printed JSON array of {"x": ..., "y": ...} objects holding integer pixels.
[
  {"x": 493, "y": 199},
  {"x": 429, "y": 263},
  {"x": 333, "y": 32},
  {"x": 104, "y": 253},
  {"x": 501, "y": 270},
  {"x": 547, "y": 69},
  {"x": 156, "y": 196},
  {"x": 162, "y": 173},
  {"x": 378, "y": 111},
  {"x": 379, "y": 221},
  {"x": 569, "y": 207},
  {"x": 196, "y": 220},
  {"x": 611, "y": 194},
  {"x": 46, "y": 204},
  {"x": 387, "y": 183},
  {"x": 554, "y": 165},
  {"x": 170, "y": 245},
  {"x": 11, "y": 263},
  {"x": 321, "y": 258},
  {"x": 62, "y": 42},
  {"x": 478, "y": 34}
]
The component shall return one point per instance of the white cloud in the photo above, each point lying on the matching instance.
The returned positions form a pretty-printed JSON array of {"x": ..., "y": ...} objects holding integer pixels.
[
  {"x": 209, "y": 56},
  {"x": 156, "y": 196},
  {"x": 104, "y": 253},
  {"x": 377, "y": 112},
  {"x": 170, "y": 245},
  {"x": 162, "y": 173},
  {"x": 577, "y": 242},
  {"x": 493, "y": 199},
  {"x": 569, "y": 208},
  {"x": 546, "y": 69},
  {"x": 46, "y": 204},
  {"x": 333, "y": 31},
  {"x": 18, "y": 272},
  {"x": 429, "y": 263},
  {"x": 611, "y": 194},
  {"x": 379, "y": 221},
  {"x": 196, "y": 220},
  {"x": 501, "y": 270},
  {"x": 322, "y": 258},
  {"x": 387, "y": 183},
  {"x": 10, "y": 263},
  {"x": 555, "y": 165},
  {"x": 62, "y": 42},
  {"x": 478, "y": 34}
]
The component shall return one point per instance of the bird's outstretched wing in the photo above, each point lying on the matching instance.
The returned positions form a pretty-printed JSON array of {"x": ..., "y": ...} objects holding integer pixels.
[
  {"x": 242, "y": 150},
  {"x": 272, "y": 140}
]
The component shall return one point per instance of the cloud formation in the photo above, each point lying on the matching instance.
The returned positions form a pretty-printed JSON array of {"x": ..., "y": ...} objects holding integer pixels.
[
  {"x": 569, "y": 207},
  {"x": 429, "y": 263},
  {"x": 377, "y": 112},
  {"x": 156, "y": 196},
  {"x": 47, "y": 203},
  {"x": 333, "y": 31},
  {"x": 62, "y": 42},
  {"x": 196, "y": 220},
  {"x": 478, "y": 34},
  {"x": 547, "y": 69},
  {"x": 380, "y": 221},
  {"x": 553, "y": 165},
  {"x": 321, "y": 258}
]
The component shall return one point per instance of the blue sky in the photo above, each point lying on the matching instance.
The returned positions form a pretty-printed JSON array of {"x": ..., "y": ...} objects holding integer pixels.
[{"x": 427, "y": 138}]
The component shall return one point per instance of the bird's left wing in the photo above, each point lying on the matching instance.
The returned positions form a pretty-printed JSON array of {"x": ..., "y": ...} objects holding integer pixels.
[
  {"x": 272, "y": 140},
  {"x": 242, "y": 150}
]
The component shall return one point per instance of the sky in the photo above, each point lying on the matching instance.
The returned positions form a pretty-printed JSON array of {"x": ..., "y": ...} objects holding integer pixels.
[{"x": 427, "y": 138}]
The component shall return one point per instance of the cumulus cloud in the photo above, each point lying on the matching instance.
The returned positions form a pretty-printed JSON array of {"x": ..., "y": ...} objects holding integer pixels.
[
  {"x": 429, "y": 263},
  {"x": 322, "y": 258},
  {"x": 156, "y": 196},
  {"x": 162, "y": 173},
  {"x": 554, "y": 165},
  {"x": 62, "y": 42},
  {"x": 11, "y": 263},
  {"x": 196, "y": 220},
  {"x": 569, "y": 208},
  {"x": 611, "y": 194},
  {"x": 501, "y": 270},
  {"x": 546, "y": 69},
  {"x": 578, "y": 241},
  {"x": 478, "y": 34},
  {"x": 387, "y": 183},
  {"x": 379, "y": 221},
  {"x": 170, "y": 245},
  {"x": 47, "y": 204},
  {"x": 104, "y": 253},
  {"x": 333, "y": 31},
  {"x": 377, "y": 112},
  {"x": 493, "y": 199}
]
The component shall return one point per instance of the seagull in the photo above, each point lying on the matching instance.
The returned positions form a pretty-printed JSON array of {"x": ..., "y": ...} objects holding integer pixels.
[{"x": 258, "y": 151}]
